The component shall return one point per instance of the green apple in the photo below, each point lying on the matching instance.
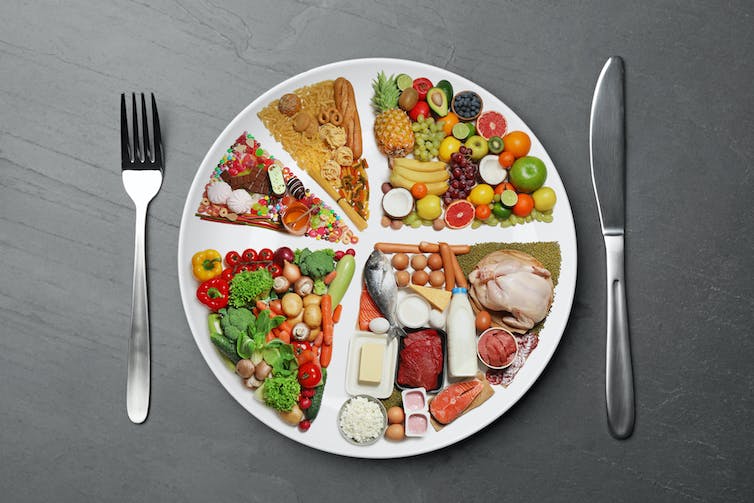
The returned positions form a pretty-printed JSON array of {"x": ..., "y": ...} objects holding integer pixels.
[{"x": 478, "y": 146}]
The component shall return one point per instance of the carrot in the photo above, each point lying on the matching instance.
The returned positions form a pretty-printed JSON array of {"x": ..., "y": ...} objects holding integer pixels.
[
  {"x": 325, "y": 305},
  {"x": 336, "y": 313},
  {"x": 284, "y": 336},
  {"x": 261, "y": 305},
  {"x": 276, "y": 307},
  {"x": 330, "y": 276},
  {"x": 325, "y": 355},
  {"x": 270, "y": 336},
  {"x": 306, "y": 356},
  {"x": 285, "y": 326},
  {"x": 318, "y": 340}
]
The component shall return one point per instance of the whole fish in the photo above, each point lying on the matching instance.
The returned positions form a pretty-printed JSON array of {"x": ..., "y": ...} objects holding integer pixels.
[{"x": 380, "y": 283}]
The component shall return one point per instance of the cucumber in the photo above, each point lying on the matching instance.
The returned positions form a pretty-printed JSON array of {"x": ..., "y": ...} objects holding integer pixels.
[{"x": 226, "y": 347}]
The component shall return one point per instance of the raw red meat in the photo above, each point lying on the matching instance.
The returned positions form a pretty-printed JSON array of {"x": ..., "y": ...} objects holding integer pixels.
[{"x": 421, "y": 360}]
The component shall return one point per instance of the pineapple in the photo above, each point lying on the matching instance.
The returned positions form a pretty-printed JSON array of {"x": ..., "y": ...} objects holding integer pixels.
[{"x": 392, "y": 127}]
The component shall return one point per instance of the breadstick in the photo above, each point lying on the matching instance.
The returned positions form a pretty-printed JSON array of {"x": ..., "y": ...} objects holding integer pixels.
[
  {"x": 428, "y": 247},
  {"x": 447, "y": 265}
]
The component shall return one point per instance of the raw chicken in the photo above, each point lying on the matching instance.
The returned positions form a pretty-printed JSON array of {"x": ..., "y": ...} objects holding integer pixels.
[{"x": 516, "y": 284}]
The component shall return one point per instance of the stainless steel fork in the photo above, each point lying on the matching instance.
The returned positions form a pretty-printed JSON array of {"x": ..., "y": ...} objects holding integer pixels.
[{"x": 142, "y": 166}]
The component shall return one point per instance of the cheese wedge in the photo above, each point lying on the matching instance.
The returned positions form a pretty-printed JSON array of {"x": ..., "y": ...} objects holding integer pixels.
[
  {"x": 435, "y": 296},
  {"x": 370, "y": 364}
]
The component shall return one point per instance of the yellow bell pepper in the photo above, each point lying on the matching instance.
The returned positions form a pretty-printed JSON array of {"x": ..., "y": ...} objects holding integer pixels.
[{"x": 207, "y": 264}]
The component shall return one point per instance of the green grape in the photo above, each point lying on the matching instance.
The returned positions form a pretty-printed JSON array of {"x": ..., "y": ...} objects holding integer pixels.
[
  {"x": 416, "y": 224},
  {"x": 476, "y": 224},
  {"x": 415, "y": 127},
  {"x": 547, "y": 218}
]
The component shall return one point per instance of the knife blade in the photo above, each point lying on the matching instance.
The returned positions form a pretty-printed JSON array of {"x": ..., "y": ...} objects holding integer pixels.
[{"x": 607, "y": 145}]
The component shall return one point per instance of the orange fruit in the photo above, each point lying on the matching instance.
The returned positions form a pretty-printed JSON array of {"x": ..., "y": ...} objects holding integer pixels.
[
  {"x": 483, "y": 212},
  {"x": 419, "y": 190},
  {"x": 517, "y": 143},
  {"x": 448, "y": 122},
  {"x": 524, "y": 205},
  {"x": 506, "y": 159}
]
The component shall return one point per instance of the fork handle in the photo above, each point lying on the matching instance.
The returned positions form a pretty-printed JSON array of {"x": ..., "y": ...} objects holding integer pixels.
[{"x": 138, "y": 382}]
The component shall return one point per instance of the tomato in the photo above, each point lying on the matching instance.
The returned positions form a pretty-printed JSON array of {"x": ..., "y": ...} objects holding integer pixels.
[
  {"x": 305, "y": 425},
  {"x": 506, "y": 159},
  {"x": 420, "y": 108},
  {"x": 528, "y": 174},
  {"x": 544, "y": 198},
  {"x": 275, "y": 270},
  {"x": 227, "y": 274},
  {"x": 339, "y": 255},
  {"x": 351, "y": 252},
  {"x": 232, "y": 259},
  {"x": 523, "y": 206},
  {"x": 309, "y": 375},
  {"x": 422, "y": 86},
  {"x": 265, "y": 254},
  {"x": 305, "y": 403},
  {"x": 419, "y": 190},
  {"x": 483, "y": 212},
  {"x": 301, "y": 346},
  {"x": 249, "y": 255},
  {"x": 517, "y": 143},
  {"x": 244, "y": 268}
]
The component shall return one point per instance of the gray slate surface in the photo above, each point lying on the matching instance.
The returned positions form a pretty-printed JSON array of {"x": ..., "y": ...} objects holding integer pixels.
[{"x": 66, "y": 241}]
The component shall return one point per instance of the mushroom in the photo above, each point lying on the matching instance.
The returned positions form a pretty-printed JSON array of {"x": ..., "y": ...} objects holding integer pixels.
[
  {"x": 300, "y": 332},
  {"x": 280, "y": 284},
  {"x": 252, "y": 382},
  {"x": 304, "y": 286},
  {"x": 245, "y": 368},
  {"x": 262, "y": 370}
]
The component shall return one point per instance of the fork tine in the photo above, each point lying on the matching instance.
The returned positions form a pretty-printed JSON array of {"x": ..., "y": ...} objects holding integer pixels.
[
  {"x": 145, "y": 130},
  {"x": 125, "y": 149},
  {"x": 157, "y": 134},
  {"x": 135, "y": 125}
]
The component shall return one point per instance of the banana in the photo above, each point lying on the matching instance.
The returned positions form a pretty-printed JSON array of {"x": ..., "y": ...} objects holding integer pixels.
[
  {"x": 436, "y": 188},
  {"x": 422, "y": 176},
  {"x": 417, "y": 165}
]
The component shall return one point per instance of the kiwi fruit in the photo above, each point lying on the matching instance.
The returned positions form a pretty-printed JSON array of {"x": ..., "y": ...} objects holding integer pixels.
[
  {"x": 409, "y": 98},
  {"x": 495, "y": 145}
]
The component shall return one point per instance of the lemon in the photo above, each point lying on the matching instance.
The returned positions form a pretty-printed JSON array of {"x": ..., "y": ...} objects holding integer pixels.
[
  {"x": 448, "y": 147},
  {"x": 544, "y": 198},
  {"x": 429, "y": 207},
  {"x": 481, "y": 194}
]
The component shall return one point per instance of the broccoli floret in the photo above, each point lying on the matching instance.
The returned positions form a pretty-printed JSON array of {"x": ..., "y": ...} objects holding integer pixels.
[
  {"x": 249, "y": 286},
  {"x": 319, "y": 287},
  {"x": 281, "y": 393},
  {"x": 315, "y": 264},
  {"x": 235, "y": 322}
]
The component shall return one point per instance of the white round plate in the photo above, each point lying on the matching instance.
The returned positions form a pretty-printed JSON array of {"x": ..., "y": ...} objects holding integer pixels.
[{"x": 196, "y": 235}]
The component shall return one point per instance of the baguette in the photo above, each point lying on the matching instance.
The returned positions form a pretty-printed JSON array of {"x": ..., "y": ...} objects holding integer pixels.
[{"x": 345, "y": 102}]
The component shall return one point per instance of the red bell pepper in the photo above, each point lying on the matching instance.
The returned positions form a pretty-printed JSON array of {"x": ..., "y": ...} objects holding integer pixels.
[{"x": 213, "y": 293}]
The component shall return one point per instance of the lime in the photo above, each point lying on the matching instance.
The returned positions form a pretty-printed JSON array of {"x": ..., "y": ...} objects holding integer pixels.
[
  {"x": 509, "y": 198},
  {"x": 500, "y": 211},
  {"x": 544, "y": 198},
  {"x": 528, "y": 174},
  {"x": 404, "y": 81},
  {"x": 461, "y": 130},
  {"x": 481, "y": 194}
]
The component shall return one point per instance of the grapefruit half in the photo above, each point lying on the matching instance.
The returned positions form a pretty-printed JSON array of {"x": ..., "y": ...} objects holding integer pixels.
[
  {"x": 459, "y": 214},
  {"x": 491, "y": 124}
]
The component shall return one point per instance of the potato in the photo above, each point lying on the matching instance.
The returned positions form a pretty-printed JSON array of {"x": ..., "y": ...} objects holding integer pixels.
[
  {"x": 312, "y": 300},
  {"x": 291, "y": 304},
  {"x": 293, "y": 416},
  {"x": 312, "y": 316}
]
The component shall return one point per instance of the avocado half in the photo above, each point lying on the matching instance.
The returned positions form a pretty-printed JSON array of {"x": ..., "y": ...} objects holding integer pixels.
[{"x": 437, "y": 101}]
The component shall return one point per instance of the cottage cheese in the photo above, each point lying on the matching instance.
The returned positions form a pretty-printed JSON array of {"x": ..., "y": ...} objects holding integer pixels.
[{"x": 361, "y": 420}]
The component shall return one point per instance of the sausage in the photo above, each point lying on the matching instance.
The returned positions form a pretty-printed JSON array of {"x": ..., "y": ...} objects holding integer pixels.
[
  {"x": 447, "y": 265},
  {"x": 458, "y": 272},
  {"x": 396, "y": 248},
  {"x": 427, "y": 247}
]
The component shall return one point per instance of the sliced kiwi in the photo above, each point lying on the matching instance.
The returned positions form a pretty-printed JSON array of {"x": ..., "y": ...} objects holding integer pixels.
[{"x": 496, "y": 145}]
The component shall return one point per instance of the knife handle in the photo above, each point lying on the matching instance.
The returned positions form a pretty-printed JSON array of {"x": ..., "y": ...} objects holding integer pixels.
[{"x": 619, "y": 374}]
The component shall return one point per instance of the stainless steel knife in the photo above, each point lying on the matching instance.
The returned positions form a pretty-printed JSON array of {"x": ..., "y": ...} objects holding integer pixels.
[{"x": 607, "y": 143}]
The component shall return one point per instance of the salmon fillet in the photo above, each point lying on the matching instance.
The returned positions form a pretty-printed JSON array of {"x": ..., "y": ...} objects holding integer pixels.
[{"x": 368, "y": 310}]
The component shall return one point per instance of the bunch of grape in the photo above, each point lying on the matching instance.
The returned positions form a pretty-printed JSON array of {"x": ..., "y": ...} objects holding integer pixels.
[
  {"x": 463, "y": 173},
  {"x": 428, "y": 136}
]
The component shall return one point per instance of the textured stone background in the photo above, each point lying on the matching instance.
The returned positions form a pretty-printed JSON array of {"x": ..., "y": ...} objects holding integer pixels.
[{"x": 66, "y": 238}]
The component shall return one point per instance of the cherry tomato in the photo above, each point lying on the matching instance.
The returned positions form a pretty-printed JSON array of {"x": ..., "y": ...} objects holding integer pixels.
[
  {"x": 419, "y": 190},
  {"x": 309, "y": 375},
  {"x": 275, "y": 270},
  {"x": 339, "y": 255},
  {"x": 483, "y": 212},
  {"x": 244, "y": 268},
  {"x": 265, "y": 254},
  {"x": 506, "y": 159},
  {"x": 422, "y": 86},
  {"x": 351, "y": 252},
  {"x": 232, "y": 259},
  {"x": 301, "y": 346},
  {"x": 420, "y": 108},
  {"x": 305, "y": 403},
  {"x": 228, "y": 274},
  {"x": 309, "y": 392},
  {"x": 249, "y": 255},
  {"x": 524, "y": 205},
  {"x": 304, "y": 425},
  {"x": 255, "y": 266},
  {"x": 517, "y": 143}
]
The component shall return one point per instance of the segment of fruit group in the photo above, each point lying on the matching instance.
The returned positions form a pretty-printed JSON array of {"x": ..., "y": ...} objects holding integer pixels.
[{"x": 484, "y": 174}]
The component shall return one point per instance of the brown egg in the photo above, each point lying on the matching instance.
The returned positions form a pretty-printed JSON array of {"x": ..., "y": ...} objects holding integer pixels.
[
  {"x": 483, "y": 320},
  {"x": 402, "y": 278},
  {"x": 400, "y": 261},
  {"x": 420, "y": 277},
  {"x": 418, "y": 261},
  {"x": 395, "y": 415},
  {"x": 436, "y": 278},
  {"x": 435, "y": 262},
  {"x": 395, "y": 432}
]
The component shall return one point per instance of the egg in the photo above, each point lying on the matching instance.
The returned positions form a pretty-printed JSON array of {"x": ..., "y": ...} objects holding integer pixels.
[
  {"x": 395, "y": 415},
  {"x": 483, "y": 320},
  {"x": 400, "y": 261},
  {"x": 402, "y": 278},
  {"x": 395, "y": 432},
  {"x": 435, "y": 262},
  {"x": 420, "y": 277},
  {"x": 436, "y": 278},
  {"x": 379, "y": 325},
  {"x": 418, "y": 261}
]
